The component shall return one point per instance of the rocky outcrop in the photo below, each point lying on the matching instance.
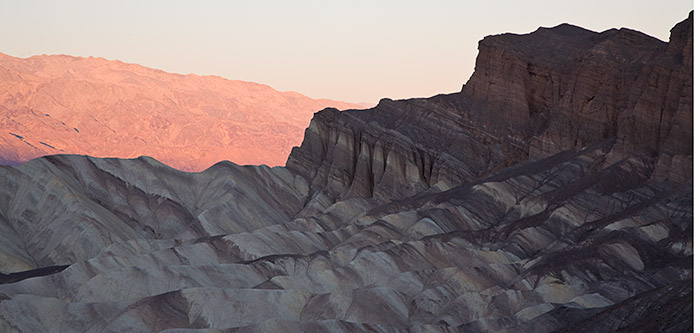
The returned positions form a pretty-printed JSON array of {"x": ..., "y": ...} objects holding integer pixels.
[
  {"x": 438, "y": 214},
  {"x": 91, "y": 106},
  {"x": 567, "y": 87},
  {"x": 530, "y": 96}
]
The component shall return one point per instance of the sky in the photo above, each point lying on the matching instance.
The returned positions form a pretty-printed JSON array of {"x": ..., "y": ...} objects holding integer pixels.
[{"x": 354, "y": 51}]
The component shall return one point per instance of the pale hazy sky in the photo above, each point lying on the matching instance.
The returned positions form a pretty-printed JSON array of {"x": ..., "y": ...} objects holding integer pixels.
[{"x": 356, "y": 51}]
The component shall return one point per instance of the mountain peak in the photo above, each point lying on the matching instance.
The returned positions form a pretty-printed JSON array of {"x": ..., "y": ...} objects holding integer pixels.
[{"x": 566, "y": 29}]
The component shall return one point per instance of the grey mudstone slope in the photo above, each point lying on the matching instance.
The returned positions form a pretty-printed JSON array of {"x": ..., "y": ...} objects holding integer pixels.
[{"x": 553, "y": 193}]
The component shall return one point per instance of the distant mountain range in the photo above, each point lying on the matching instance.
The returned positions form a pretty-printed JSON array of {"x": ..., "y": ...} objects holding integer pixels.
[{"x": 68, "y": 105}]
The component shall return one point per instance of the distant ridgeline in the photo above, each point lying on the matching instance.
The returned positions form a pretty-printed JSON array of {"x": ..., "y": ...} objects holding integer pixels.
[{"x": 92, "y": 106}]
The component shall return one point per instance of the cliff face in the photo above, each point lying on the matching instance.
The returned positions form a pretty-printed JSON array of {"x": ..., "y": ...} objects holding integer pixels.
[
  {"x": 535, "y": 207},
  {"x": 68, "y": 105},
  {"x": 567, "y": 87},
  {"x": 530, "y": 96}
]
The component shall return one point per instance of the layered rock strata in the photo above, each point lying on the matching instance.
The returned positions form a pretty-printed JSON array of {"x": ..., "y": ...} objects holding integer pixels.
[{"x": 452, "y": 213}]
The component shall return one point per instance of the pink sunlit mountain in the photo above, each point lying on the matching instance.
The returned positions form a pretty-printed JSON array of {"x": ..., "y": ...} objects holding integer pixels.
[{"x": 91, "y": 106}]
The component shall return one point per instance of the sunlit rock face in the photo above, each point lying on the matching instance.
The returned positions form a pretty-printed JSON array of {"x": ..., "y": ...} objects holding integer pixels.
[
  {"x": 92, "y": 106},
  {"x": 442, "y": 214}
]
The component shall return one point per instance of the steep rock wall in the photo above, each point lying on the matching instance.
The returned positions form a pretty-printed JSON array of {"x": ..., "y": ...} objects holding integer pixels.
[{"x": 530, "y": 96}]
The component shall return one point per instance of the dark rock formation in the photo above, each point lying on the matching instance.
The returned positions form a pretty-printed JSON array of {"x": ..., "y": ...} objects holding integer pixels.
[
  {"x": 567, "y": 87},
  {"x": 530, "y": 96},
  {"x": 554, "y": 192}
]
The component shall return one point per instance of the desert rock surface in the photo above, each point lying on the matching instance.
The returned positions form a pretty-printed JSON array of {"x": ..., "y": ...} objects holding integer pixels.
[
  {"x": 91, "y": 106},
  {"x": 527, "y": 202}
]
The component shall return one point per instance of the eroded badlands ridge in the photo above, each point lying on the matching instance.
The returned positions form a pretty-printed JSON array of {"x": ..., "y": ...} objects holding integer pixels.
[
  {"x": 539, "y": 207},
  {"x": 91, "y": 106}
]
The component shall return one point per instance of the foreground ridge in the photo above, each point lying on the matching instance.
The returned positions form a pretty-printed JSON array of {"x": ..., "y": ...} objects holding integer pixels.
[{"x": 553, "y": 193}]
